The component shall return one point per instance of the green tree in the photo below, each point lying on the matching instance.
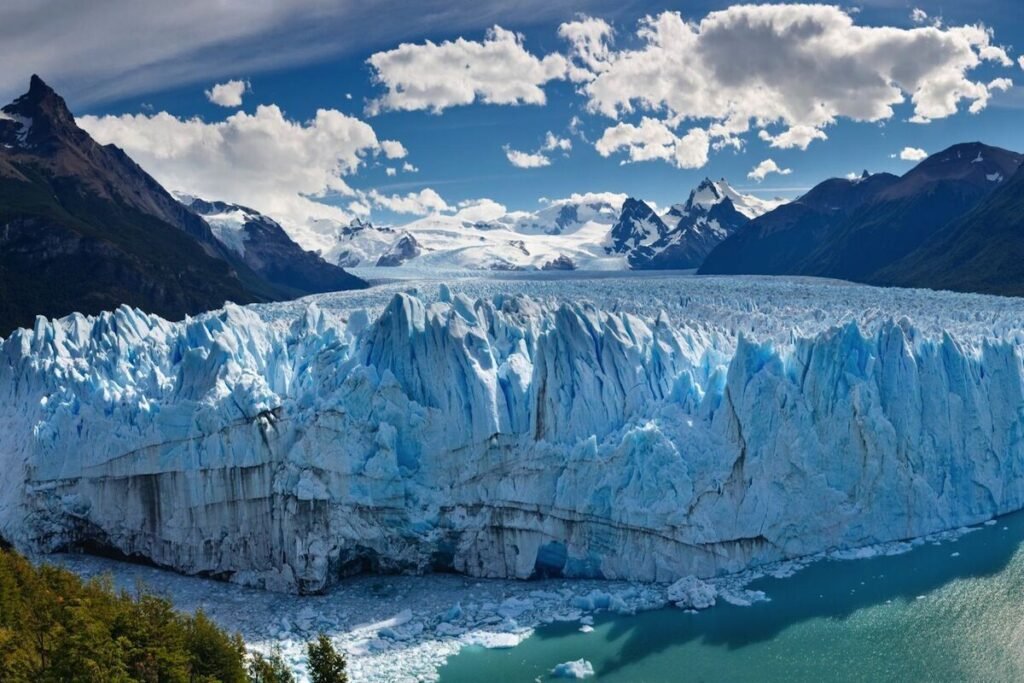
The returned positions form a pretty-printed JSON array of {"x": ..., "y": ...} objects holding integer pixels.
[
  {"x": 55, "y": 628},
  {"x": 269, "y": 669},
  {"x": 326, "y": 665},
  {"x": 216, "y": 656}
]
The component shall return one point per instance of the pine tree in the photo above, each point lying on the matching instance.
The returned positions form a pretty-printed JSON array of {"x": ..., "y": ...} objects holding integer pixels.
[
  {"x": 326, "y": 665},
  {"x": 270, "y": 669}
]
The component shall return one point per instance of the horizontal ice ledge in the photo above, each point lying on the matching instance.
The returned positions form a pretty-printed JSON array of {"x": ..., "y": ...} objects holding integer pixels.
[{"x": 503, "y": 437}]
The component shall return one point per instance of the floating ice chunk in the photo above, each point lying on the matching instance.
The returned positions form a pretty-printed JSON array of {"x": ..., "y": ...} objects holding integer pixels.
[
  {"x": 690, "y": 592},
  {"x": 577, "y": 669},
  {"x": 742, "y": 597}
]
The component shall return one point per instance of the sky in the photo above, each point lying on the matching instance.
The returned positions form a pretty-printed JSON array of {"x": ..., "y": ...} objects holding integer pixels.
[{"x": 312, "y": 110}]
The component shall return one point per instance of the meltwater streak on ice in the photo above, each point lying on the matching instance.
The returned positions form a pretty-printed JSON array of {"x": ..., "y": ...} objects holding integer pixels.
[{"x": 508, "y": 436}]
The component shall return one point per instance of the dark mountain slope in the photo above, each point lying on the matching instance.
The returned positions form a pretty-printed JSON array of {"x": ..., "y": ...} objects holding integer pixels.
[
  {"x": 83, "y": 228},
  {"x": 265, "y": 247},
  {"x": 907, "y": 214},
  {"x": 778, "y": 242},
  {"x": 982, "y": 251}
]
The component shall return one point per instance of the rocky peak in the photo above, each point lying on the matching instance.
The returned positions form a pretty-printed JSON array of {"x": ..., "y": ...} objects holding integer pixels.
[
  {"x": 39, "y": 119},
  {"x": 638, "y": 225}
]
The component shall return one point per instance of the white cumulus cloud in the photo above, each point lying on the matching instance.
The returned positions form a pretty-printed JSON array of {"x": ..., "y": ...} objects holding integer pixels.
[
  {"x": 521, "y": 159},
  {"x": 435, "y": 76},
  {"x": 393, "y": 149},
  {"x": 766, "y": 168},
  {"x": 228, "y": 94},
  {"x": 480, "y": 210},
  {"x": 801, "y": 67},
  {"x": 654, "y": 139},
  {"x": 422, "y": 203},
  {"x": 795, "y": 137},
  {"x": 540, "y": 158},
  {"x": 912, "y": 154},
  {"x": 263, "y": 160}
]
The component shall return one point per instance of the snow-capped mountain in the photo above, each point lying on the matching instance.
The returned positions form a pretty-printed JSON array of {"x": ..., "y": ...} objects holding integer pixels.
[
  {"x": 637, "y": 234},
  {"x": 684, "y": 235},
  {"x": 592, "y": 231},
  {"x": 713, "y": 212},
  {"x": 405, "y": 249},
  {"x": 629, "y": 428},
  {"x": 265, "y": 247},
  {"x": 867, "y": 228},
  {"x": 563, "y": 234},
  {"x": 712, "y": 193},
  {"x": 360, "y": 243},
  {"x": 566, "y": 216}
]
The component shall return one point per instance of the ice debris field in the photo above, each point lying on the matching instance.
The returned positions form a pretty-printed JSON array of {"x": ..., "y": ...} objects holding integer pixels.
[
  {"x": 643, "y": 429},
  {"x": 398, "y": 629}
]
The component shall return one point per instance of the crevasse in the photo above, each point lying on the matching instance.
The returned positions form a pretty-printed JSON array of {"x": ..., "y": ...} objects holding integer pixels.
[{"x": 503, "y": 437}]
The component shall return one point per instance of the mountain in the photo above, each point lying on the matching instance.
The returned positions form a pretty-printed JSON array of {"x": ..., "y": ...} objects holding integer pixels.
[
  {"x": 636, "y": 233},
  {"x": 856, "y": 229},
  {"x": 564, "y": 234},
  {"x": 776, "y": 242},
  {"x": 905, "y": 215},
  {"x": 588, "y": 231},
  {"x": 360, "y": 243},
  {"x": 982, "y": 251},
  {"x": 85, "y": 229},
  {"x": 684, "y": 236},
  {"x": 567, "y": 216},
  {"x": 713, "y": 212},
  {"x": 401, "y": 252},
  {"x": 265, "y": 247}
]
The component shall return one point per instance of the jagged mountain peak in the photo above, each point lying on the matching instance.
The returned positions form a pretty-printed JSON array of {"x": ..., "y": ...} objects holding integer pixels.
[
  {"x": 39, "y": 119},
  {"x": 638, "y": 226},
  {"x": 710, "y": 193}
]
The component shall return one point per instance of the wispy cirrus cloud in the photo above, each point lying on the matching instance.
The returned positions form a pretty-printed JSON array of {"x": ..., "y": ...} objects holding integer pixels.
[{"x": 110, "y": 49}]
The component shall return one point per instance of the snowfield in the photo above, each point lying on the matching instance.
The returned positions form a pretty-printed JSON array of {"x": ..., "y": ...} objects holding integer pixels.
[{"x": 631, "y": 428}]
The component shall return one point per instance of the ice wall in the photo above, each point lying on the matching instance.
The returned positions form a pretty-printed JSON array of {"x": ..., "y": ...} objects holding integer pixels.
[{"x": 507, "y": 436}]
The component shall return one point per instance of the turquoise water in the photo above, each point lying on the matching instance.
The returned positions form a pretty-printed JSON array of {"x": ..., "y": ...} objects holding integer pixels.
[{"x": 948, "y": 612}]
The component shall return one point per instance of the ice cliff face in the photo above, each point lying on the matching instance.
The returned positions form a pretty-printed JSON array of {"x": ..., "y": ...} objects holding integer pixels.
[{"x": 506, "y": 436}]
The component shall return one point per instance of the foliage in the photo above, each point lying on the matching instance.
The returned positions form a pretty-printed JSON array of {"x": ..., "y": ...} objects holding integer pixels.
[
  {"x": 54, "y": 627},
  {"x": 326, "y": 665},
  {"x": 272, "y": 669}
]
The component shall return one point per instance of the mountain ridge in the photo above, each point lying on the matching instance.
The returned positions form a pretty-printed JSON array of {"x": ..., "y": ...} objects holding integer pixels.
[{"x": 86, "y": 229}]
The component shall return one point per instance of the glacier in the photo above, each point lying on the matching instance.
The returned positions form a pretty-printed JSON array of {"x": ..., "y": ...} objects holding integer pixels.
[{"x": 636, "y": 428}]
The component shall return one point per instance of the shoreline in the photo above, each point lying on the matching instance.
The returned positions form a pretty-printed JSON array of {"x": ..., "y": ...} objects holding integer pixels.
[{"x": 406, "y": 627}]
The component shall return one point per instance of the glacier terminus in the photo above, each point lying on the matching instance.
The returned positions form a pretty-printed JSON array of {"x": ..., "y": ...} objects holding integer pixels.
[{"x": 514, "y": 427}]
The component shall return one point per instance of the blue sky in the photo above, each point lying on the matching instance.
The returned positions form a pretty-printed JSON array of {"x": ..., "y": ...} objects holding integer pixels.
[{"x": 461, "y": 152}]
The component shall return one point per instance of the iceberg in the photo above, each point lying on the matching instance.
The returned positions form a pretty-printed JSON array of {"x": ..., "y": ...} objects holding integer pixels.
[
  {"x": 576, "y": 669},
  {"x": 578, "y": 429}
]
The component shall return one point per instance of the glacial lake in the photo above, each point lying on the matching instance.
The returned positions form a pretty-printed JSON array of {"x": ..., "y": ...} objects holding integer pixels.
[{"x": 952, "y": 611}]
